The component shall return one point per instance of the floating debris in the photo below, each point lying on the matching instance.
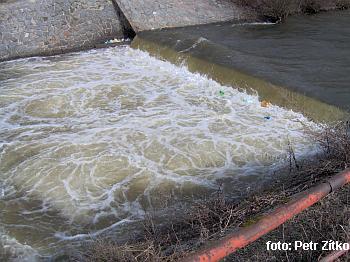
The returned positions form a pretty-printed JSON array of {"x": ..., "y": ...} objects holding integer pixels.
[
  {"x": 115, "y": 41},
  {"x": 221, "y": 93},
  {"x": 265, "y": 103},
  {"x": 267, "y": 117}
]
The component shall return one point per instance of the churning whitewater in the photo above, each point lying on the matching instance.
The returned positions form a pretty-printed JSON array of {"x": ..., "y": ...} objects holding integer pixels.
[{"x": 93, "y": 138}]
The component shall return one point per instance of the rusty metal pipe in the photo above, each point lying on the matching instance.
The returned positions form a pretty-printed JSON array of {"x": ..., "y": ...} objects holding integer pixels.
[
  {"x": 244, "y": 236},
  {"x": 334, "y": 256}
]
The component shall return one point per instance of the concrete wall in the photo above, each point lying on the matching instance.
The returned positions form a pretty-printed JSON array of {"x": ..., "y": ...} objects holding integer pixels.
[
  {"x": 40, "y": 27},
  {"x": 46, "y": 27},
  {"x": 155, "y": 14}
]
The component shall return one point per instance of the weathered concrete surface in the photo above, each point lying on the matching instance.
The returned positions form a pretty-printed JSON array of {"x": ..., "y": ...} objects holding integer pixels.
[
  {"x": 45, "y": 27},
  {"x": 156, "y": 14}
]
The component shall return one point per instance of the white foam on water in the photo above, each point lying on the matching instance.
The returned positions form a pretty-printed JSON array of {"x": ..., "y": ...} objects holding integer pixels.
[
  {"x": 12, "y": 250},
  {"x": 2, "y": 192},
  {"x": 97, "y": 134},
  {"x": 199, "y": 40},
  {"x": 64, "y": 237},
  {"x": 254, "y": 24}
]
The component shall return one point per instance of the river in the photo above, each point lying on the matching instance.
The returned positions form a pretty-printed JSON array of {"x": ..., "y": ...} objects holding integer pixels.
[
  {"x": 90, "y": 140},
  {"x": 307, "y": 55}
]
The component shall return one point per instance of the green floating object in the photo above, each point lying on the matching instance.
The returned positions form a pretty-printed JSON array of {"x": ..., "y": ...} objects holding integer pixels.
[{"x": 221, "y": 93}]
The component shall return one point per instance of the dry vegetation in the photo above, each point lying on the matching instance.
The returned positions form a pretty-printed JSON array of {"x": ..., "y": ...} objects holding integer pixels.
[
  {"x": 213, "y": 218},
  {"x": 278, "y": 10},
  {"x": 327, "y": 220}
]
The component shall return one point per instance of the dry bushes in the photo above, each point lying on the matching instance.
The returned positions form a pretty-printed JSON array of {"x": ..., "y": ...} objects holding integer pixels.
[
  {"x": 327, "y": 220},
  {"x": 206, "y": 220},
  {"x": 311, "y": 6},
  {"x": 343, "y": 4},
  {"x": 278, "y": 10},
  {"x": 335, "y": 144},
  {"x": 334, "y": 157},
  {"x": 273, "y": 9},
  {"x": 107, "y": 251}
]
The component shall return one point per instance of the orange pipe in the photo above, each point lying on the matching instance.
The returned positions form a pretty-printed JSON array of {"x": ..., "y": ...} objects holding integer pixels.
[
  {"x": 244, "y": 236},
  {"x": 334, "y": 256}
]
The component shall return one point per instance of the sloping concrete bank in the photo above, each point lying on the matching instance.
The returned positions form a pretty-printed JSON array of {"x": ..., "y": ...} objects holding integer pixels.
[
  {"x": 46, "y": 27},
  {"x": 156, "y": 14}
]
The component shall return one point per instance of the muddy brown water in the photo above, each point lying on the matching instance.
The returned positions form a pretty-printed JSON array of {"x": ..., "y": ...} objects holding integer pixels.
[
  {"x": 90, "y": 140},
  {"x": 303, "y": 64}
]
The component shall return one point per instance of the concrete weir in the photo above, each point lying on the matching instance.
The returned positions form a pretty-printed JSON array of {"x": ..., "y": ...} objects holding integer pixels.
[
  {"x": 47, "y": 27},
  {"x": 156, "y": 14},
  {"x": 197, "y": 60}
]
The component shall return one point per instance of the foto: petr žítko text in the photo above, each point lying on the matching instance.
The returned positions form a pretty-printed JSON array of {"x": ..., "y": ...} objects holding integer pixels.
[{"x": 328, "y": 245}]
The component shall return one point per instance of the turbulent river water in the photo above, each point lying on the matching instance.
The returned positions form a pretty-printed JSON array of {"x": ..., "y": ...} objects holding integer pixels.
[
  {"x": 90, "y": 140},
  {"x": 307, "y": 54}
]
